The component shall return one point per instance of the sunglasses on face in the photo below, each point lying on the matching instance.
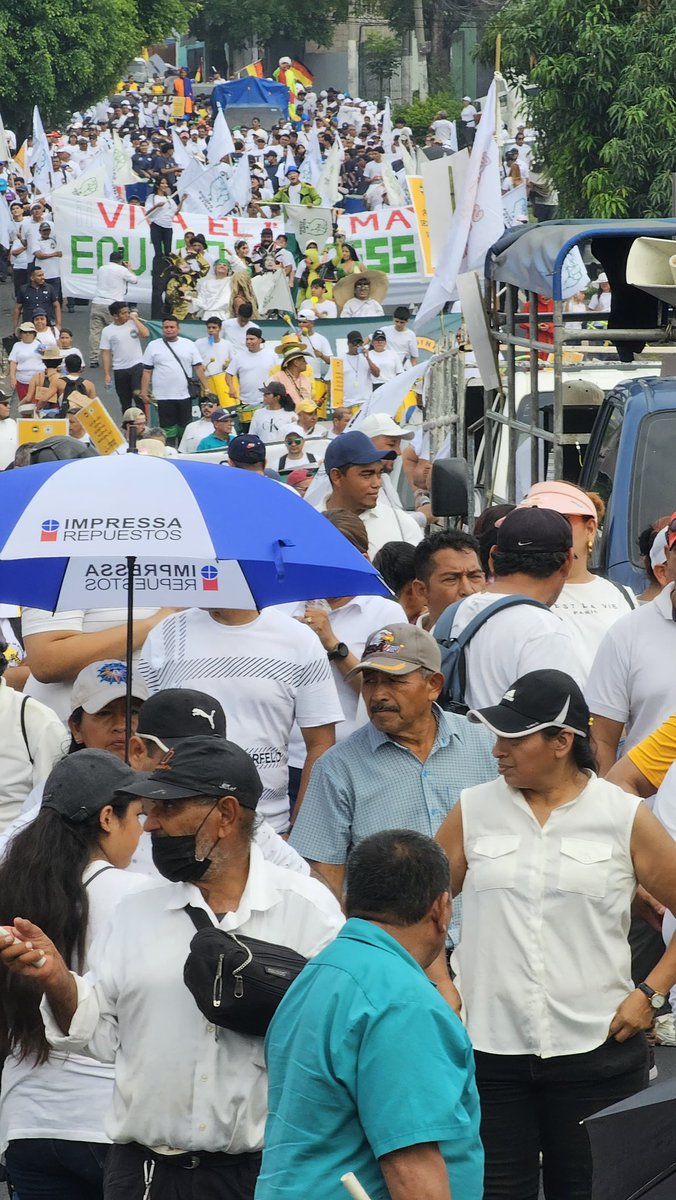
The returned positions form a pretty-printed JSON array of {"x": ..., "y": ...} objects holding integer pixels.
[{"x": 293, "y": 441}]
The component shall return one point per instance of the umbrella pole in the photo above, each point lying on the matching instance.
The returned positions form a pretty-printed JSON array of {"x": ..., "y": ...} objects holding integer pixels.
[{"x": 131, "y": 563}]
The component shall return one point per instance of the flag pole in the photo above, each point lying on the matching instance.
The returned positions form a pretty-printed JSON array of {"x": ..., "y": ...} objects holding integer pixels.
[{"x": 131, "y": 563}]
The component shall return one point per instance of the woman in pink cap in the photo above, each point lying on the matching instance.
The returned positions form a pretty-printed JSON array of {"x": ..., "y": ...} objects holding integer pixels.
[{"x": 588, "y": 603}]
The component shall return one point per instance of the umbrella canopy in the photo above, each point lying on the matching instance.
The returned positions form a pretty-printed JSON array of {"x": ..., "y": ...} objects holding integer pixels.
[
  {"x": 199, "y": 534},
  {"x": 634, "y": 1146}
]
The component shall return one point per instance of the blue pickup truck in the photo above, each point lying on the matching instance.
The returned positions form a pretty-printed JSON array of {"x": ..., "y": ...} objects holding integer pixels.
[{"x": 630, "y": 462}]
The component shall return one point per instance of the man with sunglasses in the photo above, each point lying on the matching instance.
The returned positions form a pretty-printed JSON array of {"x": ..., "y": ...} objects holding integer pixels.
[{"x": 295, "y": 455}]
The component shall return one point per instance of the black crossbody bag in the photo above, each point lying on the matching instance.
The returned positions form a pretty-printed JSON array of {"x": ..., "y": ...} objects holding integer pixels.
[
  {"x": 194, "y": 387},
  {"x": 237, "y": 982}
]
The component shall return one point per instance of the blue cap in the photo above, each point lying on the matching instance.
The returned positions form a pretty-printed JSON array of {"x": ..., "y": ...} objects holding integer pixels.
[
  {"x": 288, "y": 169},
  {"x": 221, "y": 414},
  {"x": 353, "y": 448},
  {"x": 247, "y": 448}
]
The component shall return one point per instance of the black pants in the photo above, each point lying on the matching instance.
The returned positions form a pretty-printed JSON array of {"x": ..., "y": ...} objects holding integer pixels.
[
  {"x": 173, "y": 416},
  {"x": 161, "y": 238},
  {"x": 532, "y": 1106},
  {"x": 128, "y": 381},
  {"x": 20, "y": 276},
  {"x": 52, "y": 1169},
  {"x": 213, "y": 1177}
]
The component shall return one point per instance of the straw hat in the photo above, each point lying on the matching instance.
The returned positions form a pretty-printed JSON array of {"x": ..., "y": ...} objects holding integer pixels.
[
  {"x": 292, "y": 353},
  {"x": 52, "y": 355},
  {"x": 291, "y": 341},
  {"x": 344, "y": 289}
]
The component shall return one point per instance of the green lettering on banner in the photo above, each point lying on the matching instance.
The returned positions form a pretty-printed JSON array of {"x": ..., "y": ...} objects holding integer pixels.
[
  {"x": 104, "y": 247},
  {"x": 377, "y": 254},
  {"x": 403, "y": 255},
  {"x": 78, "y": 254},
  {"x": 140, "y": 267}
]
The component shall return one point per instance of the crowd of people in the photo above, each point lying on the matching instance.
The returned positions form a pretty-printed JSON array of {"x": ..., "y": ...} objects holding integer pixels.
[{"x": 368, "y": 885}]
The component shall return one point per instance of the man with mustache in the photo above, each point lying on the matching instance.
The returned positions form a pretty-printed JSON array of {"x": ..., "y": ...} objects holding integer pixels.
[{"x": 405, "y": 769}]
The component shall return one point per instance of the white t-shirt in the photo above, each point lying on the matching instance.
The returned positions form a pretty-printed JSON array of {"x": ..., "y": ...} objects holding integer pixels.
[
  {"x": 327, "y": 309},
  {"x": 632, "y": 679},
  {"x": 214, "y": 355},
  {"x": 50, "y": 266},
  {"x": 164, "y": 217},
  {"x": 320, "y": 345},
  {"x": 388, "y": 362},
  {"x": 112, "y": 282},
  {"x": 170, "y": 378},
  {"x": 384, "y": 523},
  {"x": 252, "y": 369},
  {"x": 27, "y": 760},
  {"x": 33, "y": 236},
  {"x": 235, "y": 333},
  {"x": 266, "y": 674},
  {"x": 270, "y": 424},
  {"x": 352, "y": 624},
  {"x": 28, "y": 360},
  {"x": 588, "y": 610},
  {"x": 357, "y": 378},
  {"x": 124, "y": 343},
  {"x": 468, "y": 114},
  {"x": 91, "y": 620},
  {"x": 362, "y": 308},
  {"x": 443, "y": 129},
  {"x": 67, "y": 1097},
  {"x": 520, "y": 639},
  {"x": 403, "y": 342},
  {"x": 193, "y": 435},
  {"x": 9, "y": 440}
]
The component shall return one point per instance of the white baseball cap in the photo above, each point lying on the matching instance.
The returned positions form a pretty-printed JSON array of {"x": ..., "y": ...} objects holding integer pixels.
[
  {"x": 382, "y": 425},
  {"x": 307, "y": 313},
  {"x": 297, "y": 429},
  {"x": 658, "y": 550},
  {"x": 101, "y": 682}
]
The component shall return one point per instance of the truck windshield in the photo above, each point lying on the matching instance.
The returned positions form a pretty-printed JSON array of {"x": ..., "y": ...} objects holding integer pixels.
[{"x": 652, "y": 492}]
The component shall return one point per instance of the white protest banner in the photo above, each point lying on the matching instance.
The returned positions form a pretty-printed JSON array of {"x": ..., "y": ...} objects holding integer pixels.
[
  {"x": 88, "y": 229},
  {"x": 515, "y": 207},
  {"x": 309, "y": 224}
]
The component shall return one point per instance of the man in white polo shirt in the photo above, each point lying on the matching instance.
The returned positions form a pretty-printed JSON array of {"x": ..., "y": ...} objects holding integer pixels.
[
  {"x": 251, "y": 367},
  {"x": 632, "y": 684},
  {"x": 171, "y": 360},
  {"x": 122, "y": 352},
  {"x": 112, "y": 281}
]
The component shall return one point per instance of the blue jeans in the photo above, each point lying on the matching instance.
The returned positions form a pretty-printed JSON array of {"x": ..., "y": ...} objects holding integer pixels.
[{"x": 53, "y": 1169}]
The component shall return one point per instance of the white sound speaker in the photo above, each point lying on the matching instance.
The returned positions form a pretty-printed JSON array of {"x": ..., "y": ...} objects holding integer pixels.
[{"x": 651, "y": 266}]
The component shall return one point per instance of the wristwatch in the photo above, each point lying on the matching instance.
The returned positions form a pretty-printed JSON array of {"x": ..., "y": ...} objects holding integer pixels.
[
  {"x": 657, "y": 1000},
  {"x": 339, "y": 651}
]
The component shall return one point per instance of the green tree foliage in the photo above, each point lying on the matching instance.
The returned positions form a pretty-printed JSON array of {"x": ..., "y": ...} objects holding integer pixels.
[
  {"x": 382, "y": 53},
  {"x": 65, "y": 54},
  {"x": 605, "y": 105},
  {"x": 420, "y": 113},
  {"x": 231, "y": 21}
]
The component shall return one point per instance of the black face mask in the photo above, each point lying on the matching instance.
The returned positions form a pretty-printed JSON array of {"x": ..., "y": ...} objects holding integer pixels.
[{"x": 176, "y": 857}]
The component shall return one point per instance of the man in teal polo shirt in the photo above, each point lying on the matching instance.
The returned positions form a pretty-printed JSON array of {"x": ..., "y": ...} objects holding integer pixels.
[{"x": 369, "y": 1069}]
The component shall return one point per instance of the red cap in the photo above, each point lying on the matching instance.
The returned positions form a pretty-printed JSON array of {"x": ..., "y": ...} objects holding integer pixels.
[{"x": 671, "y": 530}]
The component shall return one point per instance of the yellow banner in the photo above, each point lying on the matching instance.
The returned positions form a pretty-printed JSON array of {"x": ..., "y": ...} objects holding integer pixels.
[
  {"x": 425, "y": 343},
  {"x": 178, "y": 106},
  {"x": 100, "y": 426},
  {"x": 417, "y": 190},
  {"x": 337, "y": 382},
  {"x": 35, "y": 431}
]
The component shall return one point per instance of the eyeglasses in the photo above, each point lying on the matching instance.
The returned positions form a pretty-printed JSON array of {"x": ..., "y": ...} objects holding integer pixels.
[{"x": 293, "y": 441}]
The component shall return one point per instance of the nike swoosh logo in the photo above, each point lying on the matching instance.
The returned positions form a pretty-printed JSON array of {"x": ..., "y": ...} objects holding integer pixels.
[{"x": 524, "y": 543}]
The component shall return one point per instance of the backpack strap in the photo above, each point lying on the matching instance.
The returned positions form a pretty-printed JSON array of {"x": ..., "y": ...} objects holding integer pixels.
[
  {"x": 107, "y": 867},
  {"x": 24, "y": 731},
  {"x": 199, "y": 918},
  {"x": 443, "y": 634},
  {"x": 628, "y": 597}
]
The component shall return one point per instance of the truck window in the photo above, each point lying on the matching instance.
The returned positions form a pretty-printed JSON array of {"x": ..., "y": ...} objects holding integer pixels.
[
  {"x": 604, "y": 471},
  {"x": 652, "y": 489}
]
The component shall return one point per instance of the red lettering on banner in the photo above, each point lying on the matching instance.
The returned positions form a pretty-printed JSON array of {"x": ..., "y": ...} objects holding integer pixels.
[
  {"x": 370, "y": 220},
  {"x": 398, "y": 215},
  {"x": 243, "y": 233},
  {"x": 178, "y": 218},
  {"x": 112, "y": 221},
  {"x": 216, "y": 228},
  {"x": 131, "y": 214}
]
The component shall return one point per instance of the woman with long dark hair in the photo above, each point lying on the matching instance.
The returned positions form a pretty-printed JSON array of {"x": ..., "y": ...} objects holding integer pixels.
[
  {"x": 548, "y": 857},
  {"x": 67, "y": 869},
  {"x": 161, "y": 208}
]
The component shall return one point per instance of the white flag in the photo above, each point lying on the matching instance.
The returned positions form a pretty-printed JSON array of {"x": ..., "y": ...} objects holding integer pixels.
[
  {"x": 395, "y": 193},
  {"x": 386, "y": 135},
  {"x": 183, "y": 159},
  {"x": 220, "y": 142},
  {"x": 477, "y": 221},
  {"x": 5, "y": 152},
  {"x": 92, "y": 183},
  {"x": 389, "y": 396},
  {"x": 7, "y": 231},
  {"x": 515, "y": 207},
  {"x": 327, "y": 184},
  {"x": 309, "y": 224},
  {"x": 272, "y": 292},
  {"x": 240, "y": 183},
  {"x": 314, "y": 155},
  {"x": 211, "y": 192},
  {"x": 40, "y": 158},
  {"x": 123, "y": 172}
]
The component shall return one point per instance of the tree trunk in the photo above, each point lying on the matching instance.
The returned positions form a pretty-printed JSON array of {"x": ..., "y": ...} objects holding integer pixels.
[
  {"x": 422, "y": 47},
  {"x": 438, "y": 59}
]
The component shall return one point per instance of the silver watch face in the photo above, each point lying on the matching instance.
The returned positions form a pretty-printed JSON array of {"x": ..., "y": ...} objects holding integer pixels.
[{"x": 657, "y": 1000}]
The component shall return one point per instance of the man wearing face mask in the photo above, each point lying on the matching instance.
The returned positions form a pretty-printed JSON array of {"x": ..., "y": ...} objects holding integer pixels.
[{"x": 188, "y": 1107}]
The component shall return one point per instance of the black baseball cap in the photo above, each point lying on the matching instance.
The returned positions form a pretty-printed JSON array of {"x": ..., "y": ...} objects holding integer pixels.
[
  {"x": 534, "y": 531},
  {"x": 247, "y": 448},
  {"x": 538, "y": 700},
  {"x": 81, "y": 784},
  {"x": 200, "y": 766},
  {"x": 273, "y": 389},
  {"x": 178, "y": 713},
  {"x": 352, "y": 449}
]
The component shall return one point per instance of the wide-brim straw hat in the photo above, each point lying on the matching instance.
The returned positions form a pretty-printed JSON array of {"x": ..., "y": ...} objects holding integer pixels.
[{"x": 344, "y": 289}]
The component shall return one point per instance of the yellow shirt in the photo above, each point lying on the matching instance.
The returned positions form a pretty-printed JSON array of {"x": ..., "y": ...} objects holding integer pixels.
[{"x": 656, "y": 753}]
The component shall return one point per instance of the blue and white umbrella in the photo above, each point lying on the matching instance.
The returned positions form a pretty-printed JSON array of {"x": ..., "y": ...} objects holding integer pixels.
[{"x": 77, "y": 534}]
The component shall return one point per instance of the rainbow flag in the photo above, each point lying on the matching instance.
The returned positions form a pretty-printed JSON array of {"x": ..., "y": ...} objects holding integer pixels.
[
  {"x": 255, "y": 69},
  {"x": 303, "y": 75}
]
